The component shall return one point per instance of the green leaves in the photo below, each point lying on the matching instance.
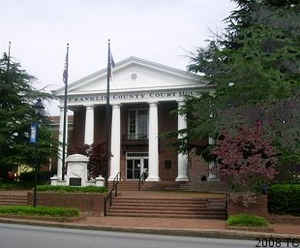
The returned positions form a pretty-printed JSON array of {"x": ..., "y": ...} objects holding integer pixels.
[
  {"x": 16, "y": 115},
  {"x": 255, "y": 68}
]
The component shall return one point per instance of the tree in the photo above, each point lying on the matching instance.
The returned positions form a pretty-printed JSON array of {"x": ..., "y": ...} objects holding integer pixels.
[
  {"x": 98, "y": 158},
  {"x": 16, "y": 115},
  {"x": 247, "y": 159},
  {"x": 255, "y": 68}
]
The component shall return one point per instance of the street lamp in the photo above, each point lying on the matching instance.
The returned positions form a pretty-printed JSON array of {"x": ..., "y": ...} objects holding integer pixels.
[{"x": 39, "y": 111}]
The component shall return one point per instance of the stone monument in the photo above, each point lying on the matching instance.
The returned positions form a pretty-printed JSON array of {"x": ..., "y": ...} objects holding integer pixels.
[{"x": 77, "y": 173}]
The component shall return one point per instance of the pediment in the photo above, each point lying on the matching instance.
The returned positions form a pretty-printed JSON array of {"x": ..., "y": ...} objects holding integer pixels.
[{"x": 134, "y": 74}]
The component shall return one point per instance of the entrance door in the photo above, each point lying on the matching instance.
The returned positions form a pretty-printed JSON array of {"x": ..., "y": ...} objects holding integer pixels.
[
  {"x": 136, "y": 166},
  {"x": 145, "y": 166},
  {"x": 133, "y": 168}
]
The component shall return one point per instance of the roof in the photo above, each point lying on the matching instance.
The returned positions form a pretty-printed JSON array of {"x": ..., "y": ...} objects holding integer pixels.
[{"x": 166, "y": 70}]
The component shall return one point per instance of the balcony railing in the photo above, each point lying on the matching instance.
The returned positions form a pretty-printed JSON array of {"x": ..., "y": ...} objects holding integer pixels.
[
  {"x": 137, "y": 136},
  {"x": 132, "y": 141}
]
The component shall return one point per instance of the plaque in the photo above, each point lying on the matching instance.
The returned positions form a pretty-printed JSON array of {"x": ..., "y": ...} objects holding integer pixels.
[{"x": 75, "y": 181}]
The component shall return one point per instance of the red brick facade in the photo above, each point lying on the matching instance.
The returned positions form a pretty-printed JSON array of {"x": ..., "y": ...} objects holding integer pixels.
[
  {"x": 92, "y": 204},
  {"x": 167, "y": 153}
]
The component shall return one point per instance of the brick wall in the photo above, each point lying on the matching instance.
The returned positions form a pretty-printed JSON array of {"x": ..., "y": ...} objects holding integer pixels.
[
  {"x": 100, "y": 124},
  {"x": 167, "y": 152},
  {"x": 260, "y": 207},
  {"x": 198, "y": 169},
  {"x": 92, "y": 204},
  {"x": 78, "y": 130}
]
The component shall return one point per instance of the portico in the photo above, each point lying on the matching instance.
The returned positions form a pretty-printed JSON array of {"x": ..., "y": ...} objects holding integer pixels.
[{"x": 143, "y": 94}]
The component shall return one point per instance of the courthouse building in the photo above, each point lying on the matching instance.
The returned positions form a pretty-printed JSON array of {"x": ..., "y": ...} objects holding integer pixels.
[{"x": 143, "y": 95}]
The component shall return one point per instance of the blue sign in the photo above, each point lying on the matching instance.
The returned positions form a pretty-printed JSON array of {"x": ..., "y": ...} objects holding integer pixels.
[{"x": 33, "y": 133}]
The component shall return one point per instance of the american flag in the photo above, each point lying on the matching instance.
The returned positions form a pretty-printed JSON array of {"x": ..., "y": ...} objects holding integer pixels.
[
  {"x": 110, "y": 62},
  {"x": 66, "y": 70}
]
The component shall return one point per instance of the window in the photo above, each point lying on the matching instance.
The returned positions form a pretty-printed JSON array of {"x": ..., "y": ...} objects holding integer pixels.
[{"x": 138, "y": 124}]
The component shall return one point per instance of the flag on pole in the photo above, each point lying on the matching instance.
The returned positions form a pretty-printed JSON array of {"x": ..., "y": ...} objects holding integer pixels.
[
  {"x": 110, "y": 62},
  {"x": 65, "y": 79},
  {"x": 66, "y": 69}
]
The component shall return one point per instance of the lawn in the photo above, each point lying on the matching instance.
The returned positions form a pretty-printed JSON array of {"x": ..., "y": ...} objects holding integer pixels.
[{"x": 39, "y": 211}]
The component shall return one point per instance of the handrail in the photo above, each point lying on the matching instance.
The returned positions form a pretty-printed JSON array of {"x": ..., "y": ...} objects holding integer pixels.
[
  {"x": 227, "y": 199},
  {"x": 114, "y": 189},
  {"x": 142, "y": 178}
]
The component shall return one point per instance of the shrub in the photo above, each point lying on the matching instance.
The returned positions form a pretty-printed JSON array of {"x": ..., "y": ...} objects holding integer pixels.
[
  {"x": 284, "y": 199},
  {"x": 246, "y": 159},
  {"x": 28, "y": 177},
  {"x": 39, "y": 211},
  {"x": 13, "y": 185},
  {"x": 247, "y": 220},
  {"x": 87, "y": 189}
]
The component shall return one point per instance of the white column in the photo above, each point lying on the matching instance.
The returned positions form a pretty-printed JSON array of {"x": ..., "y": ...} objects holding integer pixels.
[
  {"x": 182, "y": 158},
  {"x": 60, "y": 139},
  {"x": 89, "y": 125},
  {"x": 153, "y": 174},
  {"x": 115, "y": 142}
]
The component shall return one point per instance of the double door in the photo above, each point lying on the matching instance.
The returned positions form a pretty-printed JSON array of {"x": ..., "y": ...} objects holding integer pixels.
[{"x": 135, "y": 167}]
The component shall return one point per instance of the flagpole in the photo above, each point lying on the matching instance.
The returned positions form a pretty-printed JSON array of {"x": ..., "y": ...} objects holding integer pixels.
[
  {"x": 65, "y": 79},
  {"x": 108, "y": 121}
]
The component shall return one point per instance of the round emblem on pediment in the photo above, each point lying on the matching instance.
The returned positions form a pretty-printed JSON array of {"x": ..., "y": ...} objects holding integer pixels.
[{"x": 133, "y": 76}]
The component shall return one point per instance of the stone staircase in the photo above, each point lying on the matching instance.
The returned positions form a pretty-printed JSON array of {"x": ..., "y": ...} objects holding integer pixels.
[
  {"x": 125, "y": 185},
  {"x": 202, "y": 208},
  {"x": 212, "y": 186},
  {"x": 9, "y": 199},
  {"x": 145, "y": 186}
]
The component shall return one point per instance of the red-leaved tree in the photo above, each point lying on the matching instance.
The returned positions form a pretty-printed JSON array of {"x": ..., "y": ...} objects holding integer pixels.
[
  {"x": 246, "y": 159},
  {"x": 98, "y": 158}
]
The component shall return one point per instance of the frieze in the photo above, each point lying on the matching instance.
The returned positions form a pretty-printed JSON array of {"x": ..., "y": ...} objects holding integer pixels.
[{"x": 133, "y": 96}]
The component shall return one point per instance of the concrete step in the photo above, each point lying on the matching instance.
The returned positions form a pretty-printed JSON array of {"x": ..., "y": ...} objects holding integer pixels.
[
  {"x": 156, "y": 206},
  {"x": 13, "y": 199},
  {"x": 173, "y": 206},
  {"x": 10, "y": 199},
  {"x": 167, "y": 211},
  {"x": 181, "y": 216},
  {"x": 168, "y": 200},
  {"x": 13, "y": 196},
  {"x": 13, "y": 203}
]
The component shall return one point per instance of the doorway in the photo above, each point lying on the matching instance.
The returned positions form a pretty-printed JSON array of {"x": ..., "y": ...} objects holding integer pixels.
[{"x": 136, "y": 164}]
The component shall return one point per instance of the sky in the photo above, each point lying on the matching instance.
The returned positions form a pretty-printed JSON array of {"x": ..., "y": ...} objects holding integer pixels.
[{"x": 163, "y": 31}]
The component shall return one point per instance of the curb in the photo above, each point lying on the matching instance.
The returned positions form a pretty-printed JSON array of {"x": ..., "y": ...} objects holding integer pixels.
[{"x": 208, "y": 233}]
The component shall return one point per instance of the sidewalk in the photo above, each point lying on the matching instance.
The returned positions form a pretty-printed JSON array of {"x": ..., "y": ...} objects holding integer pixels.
[{"x": 186, "y": 227}]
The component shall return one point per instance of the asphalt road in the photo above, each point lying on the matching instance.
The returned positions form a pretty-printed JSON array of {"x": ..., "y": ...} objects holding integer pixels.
[{"x": 22, "y": 236}]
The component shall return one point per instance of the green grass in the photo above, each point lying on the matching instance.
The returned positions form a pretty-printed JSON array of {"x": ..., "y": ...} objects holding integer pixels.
[
  {"x": 247, "y": 220},
  {"x": 88, "y": 189},
  {"x": 39, "y": 211}
]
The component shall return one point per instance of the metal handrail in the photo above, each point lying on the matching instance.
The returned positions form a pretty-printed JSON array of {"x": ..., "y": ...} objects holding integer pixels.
[
  {"x": 142, "y": 179},
  {"x": 227, "y": 203},
  {"x": 114, "y": 189}
]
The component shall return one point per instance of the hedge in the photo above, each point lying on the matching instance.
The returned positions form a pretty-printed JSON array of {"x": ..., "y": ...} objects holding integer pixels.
[
  {"x": 43, "y": 177},
  {"x": 284, "y": 199},
  {"x": 13, "y": 185},
  {"x": 39, "y": 211},
  {"x": 247, "y": 220},
  {"x": 87, "y": 189}
]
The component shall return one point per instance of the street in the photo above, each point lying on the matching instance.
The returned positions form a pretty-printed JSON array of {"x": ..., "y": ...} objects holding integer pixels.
[{"x": 23, "y": 236}]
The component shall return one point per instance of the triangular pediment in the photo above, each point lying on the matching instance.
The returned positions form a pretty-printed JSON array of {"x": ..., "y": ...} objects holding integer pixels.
[{"x": 134, "y": 74}]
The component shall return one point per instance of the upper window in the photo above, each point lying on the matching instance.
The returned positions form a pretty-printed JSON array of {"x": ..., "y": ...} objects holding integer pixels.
[{"x": 138, "y": 124}]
